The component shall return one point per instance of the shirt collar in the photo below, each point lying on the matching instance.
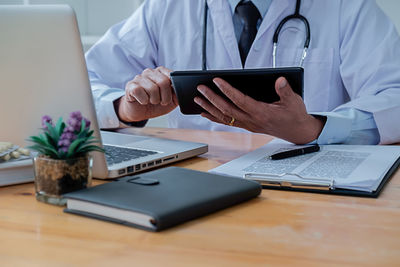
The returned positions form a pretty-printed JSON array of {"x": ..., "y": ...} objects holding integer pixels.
[{"x": 262, "y": 5}]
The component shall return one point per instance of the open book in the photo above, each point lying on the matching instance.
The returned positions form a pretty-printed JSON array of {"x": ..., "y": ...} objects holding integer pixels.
[{"x": 354, "y": 168}]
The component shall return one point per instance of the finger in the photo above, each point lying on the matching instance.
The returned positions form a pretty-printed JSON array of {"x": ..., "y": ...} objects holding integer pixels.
[
  {"x": 151, "y": 88},
  {"x": 164, "y": 71},
  {"x": 212, "y": 110},
  {"x": 241, "y": 100},
  {"x": 224, "y": 107},
  {"x": 128, "y": 96},
  {"x": 283, "y": 89},
  {"x": 159, "y": 77},
  {"x": 212, "y": 118},
  {"x": 135, "y": 92}
]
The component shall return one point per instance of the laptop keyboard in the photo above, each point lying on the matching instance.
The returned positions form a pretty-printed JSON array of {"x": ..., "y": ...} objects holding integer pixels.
[{"x": 116, "y": 154}]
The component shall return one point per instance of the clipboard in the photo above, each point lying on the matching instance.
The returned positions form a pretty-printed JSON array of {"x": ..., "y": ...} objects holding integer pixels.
[{"x": 318, "y": 186}]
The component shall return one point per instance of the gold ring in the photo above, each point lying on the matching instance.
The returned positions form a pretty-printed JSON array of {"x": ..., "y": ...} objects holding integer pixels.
[{"x": 232, "y": 121}]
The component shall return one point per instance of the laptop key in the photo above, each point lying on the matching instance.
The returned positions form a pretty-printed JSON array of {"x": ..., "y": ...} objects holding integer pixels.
[{"x": 116, "y": 154}]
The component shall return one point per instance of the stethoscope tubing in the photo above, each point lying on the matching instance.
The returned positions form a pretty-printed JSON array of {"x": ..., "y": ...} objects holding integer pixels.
[{"x": 275, "y": 40}]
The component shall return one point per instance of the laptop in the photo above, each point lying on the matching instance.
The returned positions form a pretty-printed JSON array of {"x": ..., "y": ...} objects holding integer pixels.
[{"x": 43, "y": 72}]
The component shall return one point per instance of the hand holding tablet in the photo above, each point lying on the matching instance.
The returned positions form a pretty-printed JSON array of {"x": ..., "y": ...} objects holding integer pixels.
[{"x": 256, "y": 83}]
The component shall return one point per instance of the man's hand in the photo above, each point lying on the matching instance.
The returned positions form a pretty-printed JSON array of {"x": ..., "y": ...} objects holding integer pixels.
[
  {"x": 286, "y": 119},
  {"x": 148, "y": 95}
]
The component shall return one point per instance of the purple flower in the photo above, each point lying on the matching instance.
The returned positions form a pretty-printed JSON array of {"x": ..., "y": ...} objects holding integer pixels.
[
  {"x": 74, "y": 124},
  {"x": 66, "y": 138},
  {"x": 63, "y": 149},
  {"x": 69, "y": 129},
  {"x": 46, "y": 119},
  {"x": 75, "y": 121},
  {"x": 70, "y": 132},
  {"x": 87, "y": 122}
]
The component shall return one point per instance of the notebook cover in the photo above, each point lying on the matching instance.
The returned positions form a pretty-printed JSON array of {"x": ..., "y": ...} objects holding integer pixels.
[{"x": 180, "y": 195}]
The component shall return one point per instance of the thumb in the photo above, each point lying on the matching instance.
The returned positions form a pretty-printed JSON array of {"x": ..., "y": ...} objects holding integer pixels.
[{"x": 283, "y": 88}]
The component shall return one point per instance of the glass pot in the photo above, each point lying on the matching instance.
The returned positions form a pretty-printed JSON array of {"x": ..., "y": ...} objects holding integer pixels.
[{"x": 55, "y": 177}]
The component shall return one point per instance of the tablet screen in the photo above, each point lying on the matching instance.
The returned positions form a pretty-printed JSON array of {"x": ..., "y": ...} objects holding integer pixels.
[{"x": 256, "y": 83}]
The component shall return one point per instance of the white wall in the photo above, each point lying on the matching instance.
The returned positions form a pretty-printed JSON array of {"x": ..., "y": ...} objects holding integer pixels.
[{"x": 94, "y": 16}]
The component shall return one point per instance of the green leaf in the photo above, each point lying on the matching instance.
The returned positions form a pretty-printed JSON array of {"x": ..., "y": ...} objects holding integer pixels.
[
  {"x": 62, "y": 155},
  {"x": 95, "y": 141},
  {"x": 83, "y": 125},
  {"x": 53, "y": 133},
  {"x": 90, "y": 133},
  {"x": 40, "y": 140},
  {"x": 44, "y": 137},
  {"x": 51, "y": 142},
  {"x": 82, "y": 134},
  {"x": 74, "y": 145},
  {"x": 60, "y": 125},
  {"x": 86, "y": 149},
  {"x": 51, "y": 152}
]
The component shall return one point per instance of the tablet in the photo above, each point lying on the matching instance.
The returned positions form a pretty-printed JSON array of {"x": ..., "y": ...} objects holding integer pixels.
[{"x": 256, "y": 83}]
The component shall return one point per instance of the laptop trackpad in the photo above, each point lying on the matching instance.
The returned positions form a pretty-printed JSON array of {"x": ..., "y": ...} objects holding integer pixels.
[{"x": 120, "y": 139}]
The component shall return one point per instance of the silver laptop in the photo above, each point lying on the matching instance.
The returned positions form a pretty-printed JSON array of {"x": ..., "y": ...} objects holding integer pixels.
[{"x": 43, "y": 72}]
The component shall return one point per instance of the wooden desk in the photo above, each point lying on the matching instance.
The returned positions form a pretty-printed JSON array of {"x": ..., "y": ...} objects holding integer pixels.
[{"x": 278, "y": 228}]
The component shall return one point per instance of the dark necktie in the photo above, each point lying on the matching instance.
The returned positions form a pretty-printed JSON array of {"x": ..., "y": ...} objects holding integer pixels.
[{"x": 250, "y": 15}]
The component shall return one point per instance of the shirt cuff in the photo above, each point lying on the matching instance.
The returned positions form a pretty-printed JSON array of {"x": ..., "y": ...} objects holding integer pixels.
[
  {"x": 139, "y": 124},
  {"x": 336, "y": 130},
  {"x": 108, "y": 119}
]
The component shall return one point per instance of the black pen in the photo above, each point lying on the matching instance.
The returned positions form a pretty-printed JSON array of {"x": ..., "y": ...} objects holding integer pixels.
[{"x": 295, "y": 152}]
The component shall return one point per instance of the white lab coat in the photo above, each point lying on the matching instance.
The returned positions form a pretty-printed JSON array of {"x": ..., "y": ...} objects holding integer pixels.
[{"x": 353, "y": 60}]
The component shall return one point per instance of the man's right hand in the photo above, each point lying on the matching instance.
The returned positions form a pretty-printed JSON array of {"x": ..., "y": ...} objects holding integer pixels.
[{"x": 148, "y": 95}]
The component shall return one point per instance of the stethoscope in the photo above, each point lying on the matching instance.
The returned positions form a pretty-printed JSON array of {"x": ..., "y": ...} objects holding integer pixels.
[{"x": 296, "y": 15}]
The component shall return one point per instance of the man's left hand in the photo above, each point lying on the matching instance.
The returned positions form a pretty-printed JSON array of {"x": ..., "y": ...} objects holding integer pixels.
[{"x": 286, "y": 119}]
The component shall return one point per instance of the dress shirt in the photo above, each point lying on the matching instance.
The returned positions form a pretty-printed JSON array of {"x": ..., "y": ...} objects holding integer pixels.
[
  {"x": 355, "y": 96},
  {"x": 349, "y": 126}
]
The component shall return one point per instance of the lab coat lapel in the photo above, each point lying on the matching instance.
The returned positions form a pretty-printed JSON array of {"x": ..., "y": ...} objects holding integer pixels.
[
  {"x": 260, "y": 54},
  {"x": 276, "y": 10},
  {"x": 222, "y": 21}
]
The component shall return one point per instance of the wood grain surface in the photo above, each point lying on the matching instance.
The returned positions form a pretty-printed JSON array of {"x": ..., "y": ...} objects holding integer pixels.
[{"x": 278, "y": 228}]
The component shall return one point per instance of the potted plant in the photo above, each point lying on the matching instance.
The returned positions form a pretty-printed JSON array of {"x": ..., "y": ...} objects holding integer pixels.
[{"x": 63, "y": 163}]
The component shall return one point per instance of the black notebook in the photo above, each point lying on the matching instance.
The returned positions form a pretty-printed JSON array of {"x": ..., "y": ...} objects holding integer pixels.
[{"x": 162, "y": 198}]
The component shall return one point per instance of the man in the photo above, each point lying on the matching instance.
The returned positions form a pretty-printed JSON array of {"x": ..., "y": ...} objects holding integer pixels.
[{"x": 352, "y": 70}]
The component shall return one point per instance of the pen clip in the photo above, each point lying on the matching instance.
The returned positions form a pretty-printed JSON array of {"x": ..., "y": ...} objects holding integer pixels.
[{"x": 276, "y": 180}]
